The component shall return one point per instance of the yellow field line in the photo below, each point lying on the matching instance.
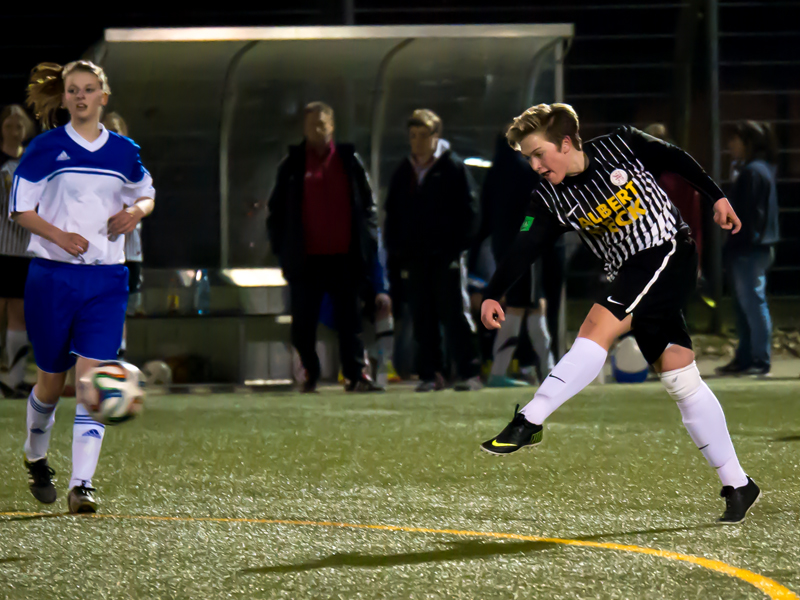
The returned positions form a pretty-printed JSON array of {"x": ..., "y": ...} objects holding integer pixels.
[{"x": 770, "y": 587}]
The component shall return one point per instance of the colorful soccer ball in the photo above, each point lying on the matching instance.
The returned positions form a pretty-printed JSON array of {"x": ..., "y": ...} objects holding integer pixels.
[
  {"x": 628, "y": 365},
  {"x": 113, "y": 392}
]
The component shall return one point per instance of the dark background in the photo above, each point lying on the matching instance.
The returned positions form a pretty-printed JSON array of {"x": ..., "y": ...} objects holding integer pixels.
[{"x": 630, "y": 63}]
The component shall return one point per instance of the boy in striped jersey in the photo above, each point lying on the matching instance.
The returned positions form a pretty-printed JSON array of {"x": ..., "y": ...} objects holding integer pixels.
[{"x": 606, "y": 190}]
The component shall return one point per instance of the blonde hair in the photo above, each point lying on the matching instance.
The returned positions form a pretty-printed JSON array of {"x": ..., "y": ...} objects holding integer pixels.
[
  {"x": 313, "y": 108},
  {"x": 657, "y": 130},
  {"x": 114, "y": 122},
  {"x": 424, "y": 117},
  {"x": 46, "y": 87},
  {"x": 15, "y": 110},
  {"x": 553, "y": 121}
]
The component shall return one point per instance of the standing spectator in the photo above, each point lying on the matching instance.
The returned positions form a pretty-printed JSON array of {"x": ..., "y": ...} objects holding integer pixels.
[
  {"x": 749, "y": 255},
  {"x": 504, "y": 201},
  {"x": 378, "y": 309},
  {"x": 322, "y": 226},
  {"x": 431, "y": 219},
  {"x": 15, "y": 129}
]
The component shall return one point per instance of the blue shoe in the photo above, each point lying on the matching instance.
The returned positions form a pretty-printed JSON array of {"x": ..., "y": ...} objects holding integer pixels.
[{"x": 503, "y": 381}]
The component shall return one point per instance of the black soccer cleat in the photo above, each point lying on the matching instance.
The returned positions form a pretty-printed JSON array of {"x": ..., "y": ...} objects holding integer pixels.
[
  {"x": 81, "y": 499},
  {"x": 363, "y": 385},
  {"x": 738, "y": 501},
  {"x": 517, "y": 434},
  {"x": 40, "y": 480},
  {"x": 21, "y": 392}
]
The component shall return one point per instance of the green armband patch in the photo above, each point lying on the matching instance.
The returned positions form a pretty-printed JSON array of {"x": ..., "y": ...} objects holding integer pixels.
[{"x": 526, "y": 224}]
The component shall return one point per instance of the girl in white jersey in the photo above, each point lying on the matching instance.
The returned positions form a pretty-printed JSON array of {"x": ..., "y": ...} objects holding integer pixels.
[{"x": 71, "y": 191}]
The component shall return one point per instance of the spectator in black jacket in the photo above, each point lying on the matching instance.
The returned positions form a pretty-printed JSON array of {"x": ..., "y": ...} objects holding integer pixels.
[
  {"x": 322, "y": 226},
  {"x": 431, "y": 219},
  {"x": 750, "y": 253},
  {"x": 505, "y": 199}
]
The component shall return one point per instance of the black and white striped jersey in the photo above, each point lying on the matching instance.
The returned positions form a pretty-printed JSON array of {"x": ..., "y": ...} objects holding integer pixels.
[
  {"x": 13, "y": 238},
  {"x": 615, "y": 204}
]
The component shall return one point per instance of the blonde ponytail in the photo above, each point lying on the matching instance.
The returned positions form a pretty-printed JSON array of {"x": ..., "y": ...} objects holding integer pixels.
[
  {"x": 45, "y": 90},
  {"x": 46, "y": 87}
]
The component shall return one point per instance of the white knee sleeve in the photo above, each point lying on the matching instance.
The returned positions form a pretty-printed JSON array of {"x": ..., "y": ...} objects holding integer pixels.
[{"x": 682, "y": 383}]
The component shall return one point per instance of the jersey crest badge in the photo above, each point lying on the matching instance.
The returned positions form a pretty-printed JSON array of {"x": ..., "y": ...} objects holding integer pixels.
[{"x": 619, "y": 177}]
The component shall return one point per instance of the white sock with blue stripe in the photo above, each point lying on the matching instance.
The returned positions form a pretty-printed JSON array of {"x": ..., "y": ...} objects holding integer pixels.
[
  {"x": 40, "y": 421},
  {"x": 87, "y": 439}
]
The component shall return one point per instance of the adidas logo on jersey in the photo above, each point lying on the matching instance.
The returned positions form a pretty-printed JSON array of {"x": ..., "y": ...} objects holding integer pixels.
[
  {"x": 63, "y": 156},
  {"x": 93, "y": 433}
]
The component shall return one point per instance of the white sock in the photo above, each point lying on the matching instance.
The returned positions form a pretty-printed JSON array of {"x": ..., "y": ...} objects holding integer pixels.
[
  {"x": 40, "y": 421},
  {"x": 505, "y": 344},
  {"x": 540, "y": 338},
  {"x": 574, "y": 371},
  {"x": 17, "y": 347},
  {"x": 705, "y": 422},
  {"x": 384, "y": 333},
  {"x": 87, "y": 438}
]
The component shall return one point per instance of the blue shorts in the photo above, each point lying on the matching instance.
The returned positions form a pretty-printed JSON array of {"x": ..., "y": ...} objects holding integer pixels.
[{"x": 74, "y": 310}]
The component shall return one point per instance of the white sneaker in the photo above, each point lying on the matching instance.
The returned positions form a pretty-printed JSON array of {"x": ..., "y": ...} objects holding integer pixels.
[{"x": 473, "y": 384}]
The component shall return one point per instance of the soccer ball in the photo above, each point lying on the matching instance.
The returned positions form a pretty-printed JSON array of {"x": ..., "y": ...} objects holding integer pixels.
[
  {"x": 157, "y": 372},
  {"x": 112, "y": 392},
  {"x": 628, "y": 365}
]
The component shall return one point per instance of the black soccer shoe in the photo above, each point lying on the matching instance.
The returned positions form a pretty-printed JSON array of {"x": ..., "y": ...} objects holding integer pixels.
[
  {"x": 40, "y": 480},
  {"x": 363, "y": 385},
  {"x": 517, "y": 434},
  {"x": 732, "y": 368},
  {"x": 309, "y": 387},
  {"x": 21, "y": 392},
  {"x": 81, "y": 499},
  {"x": 738, "y": 501}
]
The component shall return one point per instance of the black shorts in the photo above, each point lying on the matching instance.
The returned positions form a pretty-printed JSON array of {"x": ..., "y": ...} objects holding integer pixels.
[
  {"x": 525, "y": 293},
  {"x": 654, "y": 286},
  {"x": 13, "y": 275},
  {"x": 134, "y": 277}
]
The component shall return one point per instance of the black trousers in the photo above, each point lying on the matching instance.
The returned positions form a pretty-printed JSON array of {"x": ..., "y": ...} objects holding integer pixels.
[
  {"x": 437, "y": 291},
  {"x": 341, "y": 277},
  {"x": 553, "y": 263}
]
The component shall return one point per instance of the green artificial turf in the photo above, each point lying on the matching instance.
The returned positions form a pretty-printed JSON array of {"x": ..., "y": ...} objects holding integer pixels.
[{"x": 616, "y": 466}]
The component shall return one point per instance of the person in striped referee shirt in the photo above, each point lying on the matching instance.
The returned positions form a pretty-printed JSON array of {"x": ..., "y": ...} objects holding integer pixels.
[
  {"x": 606, "y": 190},
  {"x": 16, "y": 127}
]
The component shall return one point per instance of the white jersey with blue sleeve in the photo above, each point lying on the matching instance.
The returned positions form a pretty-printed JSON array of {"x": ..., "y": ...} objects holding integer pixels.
[{"x": 78, "y": 186}]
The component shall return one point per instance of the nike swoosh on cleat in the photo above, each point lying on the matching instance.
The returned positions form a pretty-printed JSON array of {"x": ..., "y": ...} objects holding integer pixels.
[
  {"x": 704, "y": 447},
  {"x": 559, "y": 378},
  {"x": 614, "y": 301},
  {"x": 499, "y": 444}
]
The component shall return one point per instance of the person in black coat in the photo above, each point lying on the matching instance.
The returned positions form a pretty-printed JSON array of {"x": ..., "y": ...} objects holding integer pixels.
[
  {"x": 322, "y": 226},
  {"x": 505, "y": 198},
  {"x": 431, "y": 219}
]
